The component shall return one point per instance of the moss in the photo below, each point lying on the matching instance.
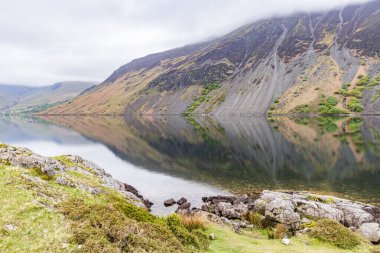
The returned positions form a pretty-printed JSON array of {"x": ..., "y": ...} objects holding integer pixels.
[
  {"x": 335, "y": 233},
  {"x": 65, "y": 161},
  {"x": 38, "y": 173},
  {"x": 311, "y": 224}
]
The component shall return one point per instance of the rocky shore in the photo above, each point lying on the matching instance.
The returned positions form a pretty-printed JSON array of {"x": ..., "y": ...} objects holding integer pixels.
[{"x": 297, "y": 211}]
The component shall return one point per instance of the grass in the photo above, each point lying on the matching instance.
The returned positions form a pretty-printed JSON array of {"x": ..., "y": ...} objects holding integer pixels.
[
  {"x": 336, "y": 233},
  {"x": 53, "y": 218},
  {"x": 227, "y": 241},
  {"x": 37, "y": 229},
  {"x": 193, "y": 222}
]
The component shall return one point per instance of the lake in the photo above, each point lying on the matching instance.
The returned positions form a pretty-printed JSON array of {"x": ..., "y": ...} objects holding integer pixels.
[{"x": 166, "y": 157}]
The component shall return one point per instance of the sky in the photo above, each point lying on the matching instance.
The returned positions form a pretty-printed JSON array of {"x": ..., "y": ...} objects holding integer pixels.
[{"x": 47, "y": 41}]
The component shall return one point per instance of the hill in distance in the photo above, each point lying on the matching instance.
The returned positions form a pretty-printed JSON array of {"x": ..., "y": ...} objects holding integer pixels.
[
  {"x": 24, "y": 99},
  {"x": 324, "y": 62}
]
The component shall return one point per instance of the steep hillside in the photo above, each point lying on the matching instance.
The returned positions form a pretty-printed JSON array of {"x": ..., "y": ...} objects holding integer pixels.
[
  {"x": 304, "y": 63},
  {"x": 19, "y": 99}
]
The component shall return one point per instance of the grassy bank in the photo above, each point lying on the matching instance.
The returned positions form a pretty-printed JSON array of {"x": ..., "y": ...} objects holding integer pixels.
[
  {"x": 256, "y": 241},
  {"x": 40, "y": 215}
]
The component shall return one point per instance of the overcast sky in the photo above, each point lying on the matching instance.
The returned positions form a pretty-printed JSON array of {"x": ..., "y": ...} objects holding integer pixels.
[{"x": 46, "y": 41}]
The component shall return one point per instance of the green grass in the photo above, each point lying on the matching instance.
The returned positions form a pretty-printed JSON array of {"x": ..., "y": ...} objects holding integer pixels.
[
  {"x": 48, "y": 216},
  {"x": 37, "y": 229},
  {"x": 227, "y": 241},
  {"x": 336, "y": 233}
]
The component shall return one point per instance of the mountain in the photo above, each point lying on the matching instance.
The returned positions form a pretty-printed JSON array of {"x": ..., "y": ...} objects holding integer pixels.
[
  {"x": 21, "y": 99},
  {"x": 9, "y": 94},
  {"x": 326, "y": 62}
]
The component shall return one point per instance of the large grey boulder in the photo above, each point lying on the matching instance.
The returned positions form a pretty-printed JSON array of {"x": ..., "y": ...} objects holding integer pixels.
[
  {"x": 354, "y": 213},
  {"x": 370, "y": 231},
  {"x": 282, "y": 211},
  {"x": 319, "y": 210}
]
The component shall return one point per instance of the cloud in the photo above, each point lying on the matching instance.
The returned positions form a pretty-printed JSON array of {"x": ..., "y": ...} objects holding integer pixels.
[{"x": 46, "y": 41}]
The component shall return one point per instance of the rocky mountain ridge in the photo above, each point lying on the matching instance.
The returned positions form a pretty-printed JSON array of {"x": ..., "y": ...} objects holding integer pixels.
[{"x": 285, "y": 65}]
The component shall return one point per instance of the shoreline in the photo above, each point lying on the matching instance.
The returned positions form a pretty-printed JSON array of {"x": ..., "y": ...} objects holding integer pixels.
[{"x": 298, "y": 212}]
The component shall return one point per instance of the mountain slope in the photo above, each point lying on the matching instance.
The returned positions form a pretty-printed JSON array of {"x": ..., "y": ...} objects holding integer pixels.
[
  {"x": 31, "y": 99},
  {"x": 9, "y": 94},
  {"x": 298, "y": 62}
]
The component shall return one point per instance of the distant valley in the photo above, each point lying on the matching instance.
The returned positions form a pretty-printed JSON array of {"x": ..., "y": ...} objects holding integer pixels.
[{"x": 25, "y": 99}]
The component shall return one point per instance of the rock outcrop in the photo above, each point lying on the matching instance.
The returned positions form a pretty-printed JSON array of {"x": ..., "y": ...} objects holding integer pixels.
[
  {"x": 25, "y": 158},
  {"x": 295, "y": 208}
]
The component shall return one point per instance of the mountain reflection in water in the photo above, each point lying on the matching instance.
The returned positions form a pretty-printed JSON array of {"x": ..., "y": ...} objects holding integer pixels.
[{"x": 236, "y": 154}]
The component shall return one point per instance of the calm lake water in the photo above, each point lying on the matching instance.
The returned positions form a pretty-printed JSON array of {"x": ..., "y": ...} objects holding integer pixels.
[{"x": 173, "y": 157}]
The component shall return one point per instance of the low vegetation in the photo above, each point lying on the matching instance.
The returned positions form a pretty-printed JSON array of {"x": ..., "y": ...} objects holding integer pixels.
[
  {"x": 355, "y": 105},
  {"x": 256, "y": 241},
  {"x": 198, "y": 101},
  {"x": 335, "y": 233},
  {"x": 48, "y": 217},
  {"x": 328, "y": 106},
  {"x": 303, "y": 109}
]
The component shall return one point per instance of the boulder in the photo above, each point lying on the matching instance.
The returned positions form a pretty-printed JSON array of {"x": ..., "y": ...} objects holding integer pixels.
[
  {"x": 370, "y": 231},
  {"x": 282, "y": 211},
  {"x": 181, "y": 201},
  {"x": 241, "y": 199},
  {"x": 319, "y": 210},
  {"x": 184, "y": 206},
  {"x": 354, "y": 215},
  {"x": 61, "y": 181},
  {"x": 230, "y": 211},
  {"x": 218, "y": 199},
  {"x": 169, "y": 202}
]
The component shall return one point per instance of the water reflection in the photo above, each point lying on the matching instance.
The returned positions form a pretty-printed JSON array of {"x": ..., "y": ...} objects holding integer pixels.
[{"x": 339, "y": 155}]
